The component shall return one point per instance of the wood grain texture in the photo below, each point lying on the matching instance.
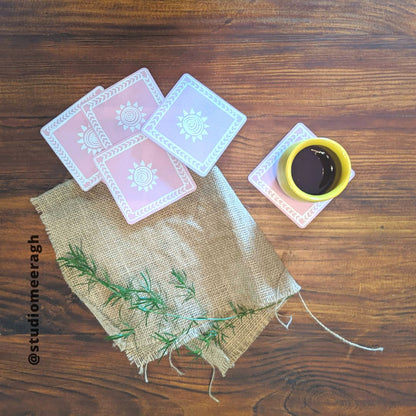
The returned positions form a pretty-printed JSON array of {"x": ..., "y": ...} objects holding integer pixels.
[{"x": 345, "y": 69}]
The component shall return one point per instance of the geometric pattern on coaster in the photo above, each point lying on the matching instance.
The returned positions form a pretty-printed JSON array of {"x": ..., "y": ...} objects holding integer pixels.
[
  {"x": 74, "y": 141},
  {"x": 142, "y": 177},
  {"x": 194, "y": 124},
  {"x": 263, "y": 177},
  {"x": 120, "y": 111}
]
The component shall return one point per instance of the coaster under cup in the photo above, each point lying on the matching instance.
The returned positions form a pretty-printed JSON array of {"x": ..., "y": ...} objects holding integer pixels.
[{"x": 263, "y": 177}]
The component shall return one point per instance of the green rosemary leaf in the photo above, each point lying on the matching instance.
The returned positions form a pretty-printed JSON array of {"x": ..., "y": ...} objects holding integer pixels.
[
  {"x": 147, "y": 286},
  {"x": 114, "y": 337},
  {"x": 169, "y": 341},
  {"x": 124, "y": 333},
  {"x": 196, "y": 352},
  {"x": 233, "y": 307},
  {"x": 106, "y": 276},
  {"x": 111, "y": 298}
]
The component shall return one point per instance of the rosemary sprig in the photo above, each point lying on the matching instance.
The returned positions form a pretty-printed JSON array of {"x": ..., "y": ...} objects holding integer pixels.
[
  {"x": 196, "y": 352},
  {"x": 124, "y": 333},
  {"x": 147, "y": 299},
  {"x": 151, "y": 301},
  {"x": 77, "y": 259},
  {"x": 180, "y": 281},
  {"x": 168, "y": 340}
]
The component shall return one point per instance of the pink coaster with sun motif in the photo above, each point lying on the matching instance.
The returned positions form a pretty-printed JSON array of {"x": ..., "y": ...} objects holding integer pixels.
[
  {"x": 74, "y": 141},
  {"x": 121, "y": 110},
  {"x": 194, "y": 124},
  {"x": 264, "y": 179},
  {"x": 142, "y": 177}
]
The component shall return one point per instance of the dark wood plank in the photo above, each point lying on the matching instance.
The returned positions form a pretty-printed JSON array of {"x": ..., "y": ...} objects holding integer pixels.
[{"x": 345, "y": 69}]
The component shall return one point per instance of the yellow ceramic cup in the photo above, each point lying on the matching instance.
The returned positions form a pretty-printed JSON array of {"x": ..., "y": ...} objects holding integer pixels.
[{"x": 338, "y": 155}]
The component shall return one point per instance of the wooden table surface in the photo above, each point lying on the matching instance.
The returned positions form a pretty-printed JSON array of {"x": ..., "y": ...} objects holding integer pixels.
[{"x": 346, "y": 69}]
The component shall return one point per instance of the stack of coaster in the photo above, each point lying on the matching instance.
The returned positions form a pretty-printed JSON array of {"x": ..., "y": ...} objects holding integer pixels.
[{"x": 140, "y": 144}]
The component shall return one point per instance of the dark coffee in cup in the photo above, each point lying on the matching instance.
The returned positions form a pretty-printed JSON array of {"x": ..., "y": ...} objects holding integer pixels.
[{"x": 314, "y": 170}]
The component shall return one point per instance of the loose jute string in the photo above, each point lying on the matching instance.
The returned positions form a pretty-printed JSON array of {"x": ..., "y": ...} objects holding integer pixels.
[
  {"x": 353, "y": 344},
  {"x": 181, "y": 373},
  {"x": 145, "y": 373},
  {"x": 143, "y": 368},
  {"x": 278, "y": 315},
  {"x": 210, "y": 385}
]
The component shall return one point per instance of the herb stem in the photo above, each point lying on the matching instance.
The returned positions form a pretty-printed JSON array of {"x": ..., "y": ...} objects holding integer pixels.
[{"x": 203, "y": 318}]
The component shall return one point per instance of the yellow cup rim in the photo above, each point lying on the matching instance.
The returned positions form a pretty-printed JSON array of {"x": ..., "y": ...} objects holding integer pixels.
[{"x": 343, "y": 158}]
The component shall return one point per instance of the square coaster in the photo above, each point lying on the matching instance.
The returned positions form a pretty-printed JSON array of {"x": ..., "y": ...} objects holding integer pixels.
[
  {"x": 264, "y": 179},
  {"x": 194, "y": 124},
  {"x": 121, "y": 110},
  {"x": 142, "y": 177},
  {"x": 74, "y": 141}
]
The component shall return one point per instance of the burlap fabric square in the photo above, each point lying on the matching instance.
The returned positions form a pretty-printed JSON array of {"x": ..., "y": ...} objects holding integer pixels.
[{"x": 208, "y": 234}]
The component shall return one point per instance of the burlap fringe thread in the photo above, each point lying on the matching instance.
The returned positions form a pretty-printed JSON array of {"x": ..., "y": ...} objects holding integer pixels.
[{"x": 143, "y": 368}]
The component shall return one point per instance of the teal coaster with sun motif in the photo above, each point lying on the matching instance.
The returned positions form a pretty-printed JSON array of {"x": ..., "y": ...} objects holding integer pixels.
[{"x": 194, "y": 124}]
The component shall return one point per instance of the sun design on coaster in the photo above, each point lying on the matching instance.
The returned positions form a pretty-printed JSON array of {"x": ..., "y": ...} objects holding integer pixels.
[
  {"x": 193, "y": 125},
  {"x": 143, "y": 176},
  {"x": 130, "y": 116},
  {"x": 89, "y": 140}
]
